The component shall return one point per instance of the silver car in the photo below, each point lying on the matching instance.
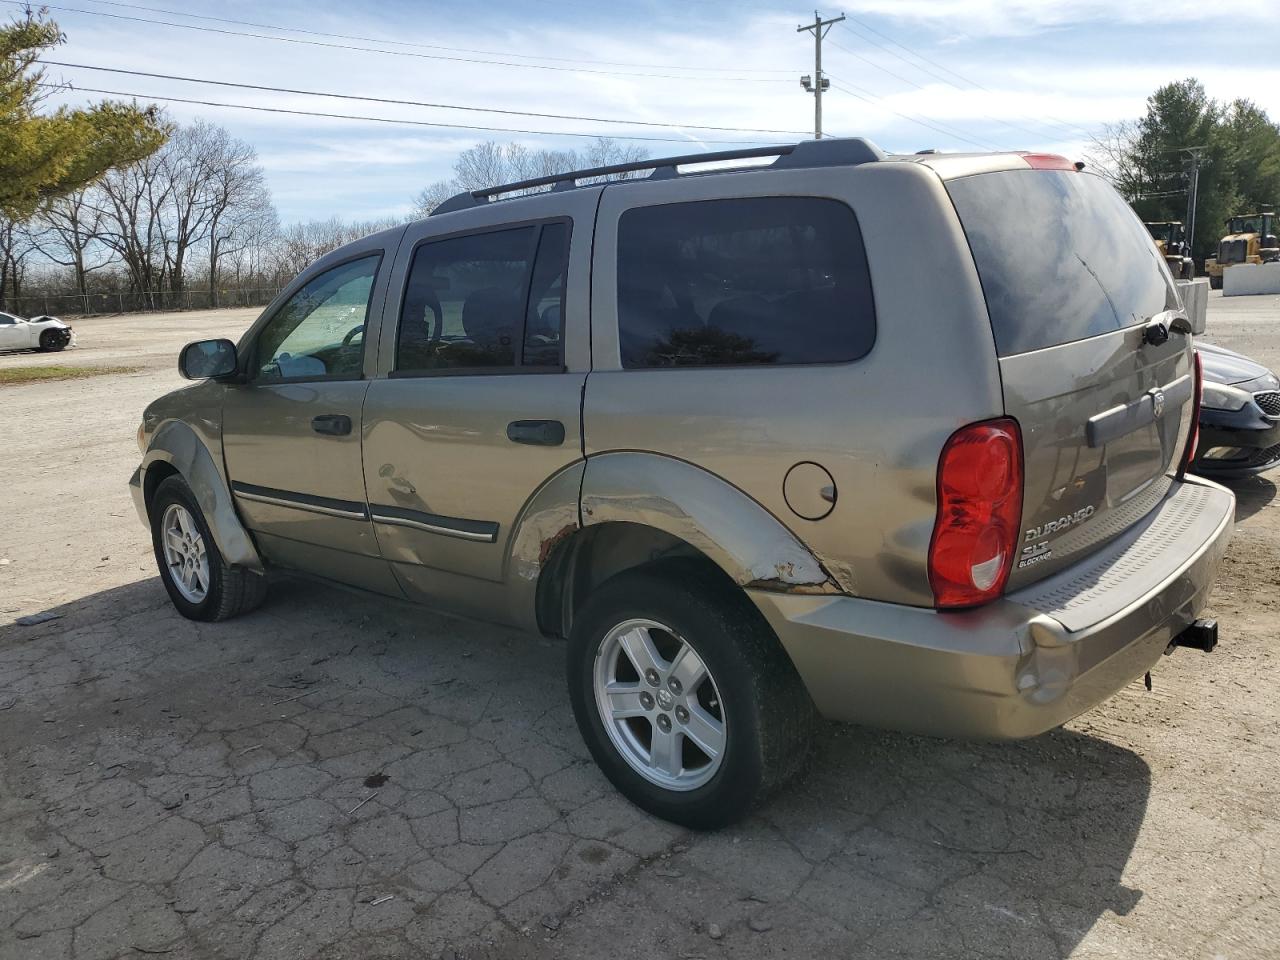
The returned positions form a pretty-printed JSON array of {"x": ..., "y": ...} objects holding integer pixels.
[{"x": 896, "y": 440}]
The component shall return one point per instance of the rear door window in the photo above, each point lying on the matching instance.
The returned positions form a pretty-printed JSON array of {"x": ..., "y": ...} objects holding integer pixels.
[
  {"x": 1061, "y": 257},
  {"x": 485, "y": 300},
  {"x": 759, "y": 280}
]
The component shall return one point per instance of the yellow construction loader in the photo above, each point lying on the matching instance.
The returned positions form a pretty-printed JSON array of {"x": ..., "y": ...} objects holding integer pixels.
[
  {"x": 1171, "y": 238},
  {"x": 1251, "y": 238}
]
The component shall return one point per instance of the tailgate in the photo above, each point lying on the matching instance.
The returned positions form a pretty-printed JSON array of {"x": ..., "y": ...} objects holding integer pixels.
[{"x": 1072, "y": 281}]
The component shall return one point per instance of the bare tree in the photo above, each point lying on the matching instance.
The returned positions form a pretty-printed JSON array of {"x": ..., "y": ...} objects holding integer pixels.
[
  {"x": 234, "y": 196},
  {"x": 68, "y": 232},
  {"x": 303, "y": 243},
  {"x": 16, "y": 247},
  {"x": 133, "y": 201},
  {"x": 1114, "y": 154},
  {"x": 488, "y": 164}
]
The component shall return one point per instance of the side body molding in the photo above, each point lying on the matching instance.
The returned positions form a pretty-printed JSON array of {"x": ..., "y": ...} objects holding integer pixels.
[
  {"x": 178, "y": 445},
  {"x": 734, "y": 531}
]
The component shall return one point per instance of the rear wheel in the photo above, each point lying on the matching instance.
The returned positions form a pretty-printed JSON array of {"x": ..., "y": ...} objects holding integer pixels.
[
  {"x": 51, "y": 341},
  {"x": 684, "y": 695},
  {"x": 199, "y": 582},
  {"x": 1215, "y": 283}
]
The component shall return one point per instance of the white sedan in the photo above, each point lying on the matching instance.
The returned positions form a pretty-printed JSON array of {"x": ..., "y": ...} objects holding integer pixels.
[{"x": 38, "y": 333}]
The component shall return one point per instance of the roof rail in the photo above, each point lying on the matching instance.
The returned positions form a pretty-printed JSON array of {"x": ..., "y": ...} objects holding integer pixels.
[{"x": 807, "y": 153}]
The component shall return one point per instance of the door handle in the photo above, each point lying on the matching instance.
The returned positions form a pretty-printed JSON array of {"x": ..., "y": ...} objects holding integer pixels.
[
  {"x": 543, "y": 433},
  {"x": 332, "y": 424}
]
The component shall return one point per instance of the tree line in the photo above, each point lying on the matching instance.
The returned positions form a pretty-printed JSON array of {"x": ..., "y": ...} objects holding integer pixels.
[
  {"x": 1148, "y": 159},
  {"x": 196, "y": 218},
  {"x": 195, "y": 215}
]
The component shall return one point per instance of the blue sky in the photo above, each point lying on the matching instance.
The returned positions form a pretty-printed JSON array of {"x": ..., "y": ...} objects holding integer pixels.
[{"x": 909, "y": 74}]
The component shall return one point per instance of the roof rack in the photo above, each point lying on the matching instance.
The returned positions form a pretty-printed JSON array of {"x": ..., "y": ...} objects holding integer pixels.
[{"x": 807, "y": 153}]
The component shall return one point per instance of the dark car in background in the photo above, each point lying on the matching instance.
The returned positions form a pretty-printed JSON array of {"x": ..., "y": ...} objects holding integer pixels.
[{"x": 1239, "y": 415}]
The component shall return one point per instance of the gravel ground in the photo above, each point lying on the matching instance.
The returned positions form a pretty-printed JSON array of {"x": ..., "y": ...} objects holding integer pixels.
[{"x": 337, "y": 776}]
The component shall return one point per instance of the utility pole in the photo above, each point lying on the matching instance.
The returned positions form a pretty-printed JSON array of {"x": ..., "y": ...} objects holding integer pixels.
[
  {"x": 1191, "y": 165},
  {"x": 817, "y": 83}
]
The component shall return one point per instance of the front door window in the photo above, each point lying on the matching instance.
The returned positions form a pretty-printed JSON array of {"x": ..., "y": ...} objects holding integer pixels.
[{"x": 319, "y": 333}]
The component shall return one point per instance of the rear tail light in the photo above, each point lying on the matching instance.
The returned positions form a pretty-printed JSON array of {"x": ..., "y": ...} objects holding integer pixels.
[
  {"x": 975, "y": 536},
  {"x": 1193, "y": 435}
]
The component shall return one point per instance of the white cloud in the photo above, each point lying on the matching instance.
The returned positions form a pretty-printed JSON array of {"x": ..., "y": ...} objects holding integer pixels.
[
  {"x": 321, "y": 166},
  {"x": 1015, "y": 17}
]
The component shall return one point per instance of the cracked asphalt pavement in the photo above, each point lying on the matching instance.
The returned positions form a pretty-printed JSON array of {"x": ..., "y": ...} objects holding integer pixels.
[{"x": 340, "y": 776}]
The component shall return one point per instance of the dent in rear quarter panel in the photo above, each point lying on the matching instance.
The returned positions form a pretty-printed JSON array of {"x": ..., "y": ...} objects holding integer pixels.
[{"x": 876, "y": 424}]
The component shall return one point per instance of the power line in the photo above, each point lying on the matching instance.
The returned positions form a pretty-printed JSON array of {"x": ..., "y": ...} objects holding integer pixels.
[
  {"x": 411, "y": 123},
  {"x": 420, "y": 46},
  {"x": 926, "y": 64},
  {"x": 938, "y": 124},
  {"x": 419, "y": 103},
  {"x": 918, "y": 86},
  {"x": 398, "y": 53},
  {"x": 876, "y": 101}
]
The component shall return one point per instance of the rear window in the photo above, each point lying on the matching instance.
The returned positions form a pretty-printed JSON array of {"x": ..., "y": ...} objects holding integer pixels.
[
  {"x": 757, "y": 280},
  {"x": 1061, "y": 257}
]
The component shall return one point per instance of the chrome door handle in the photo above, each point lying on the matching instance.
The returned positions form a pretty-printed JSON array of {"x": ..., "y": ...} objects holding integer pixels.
[{"x": 332, "y": 424}]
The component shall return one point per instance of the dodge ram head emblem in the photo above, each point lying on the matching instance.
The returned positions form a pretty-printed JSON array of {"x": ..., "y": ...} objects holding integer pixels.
[{"x": 1157, "y": 402}]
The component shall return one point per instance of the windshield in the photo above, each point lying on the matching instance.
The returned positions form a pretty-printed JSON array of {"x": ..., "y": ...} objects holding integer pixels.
[
  {"x": 1244, "y": 225},
  {"x": 1060, "y": 255}
]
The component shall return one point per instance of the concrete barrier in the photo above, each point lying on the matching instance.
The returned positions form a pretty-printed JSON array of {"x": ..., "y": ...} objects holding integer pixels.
[
  {"x": 1251, "y": 279},
  {"x": 1195, "y": 300}
]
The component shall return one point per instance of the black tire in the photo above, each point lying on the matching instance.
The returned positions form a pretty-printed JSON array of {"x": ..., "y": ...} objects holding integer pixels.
[
  {"x": 51, "y": 341},
  {"x": 1215, "y": 283},
  {"x": 231, "y": 590},
  {"x": 768, "y": 716}
]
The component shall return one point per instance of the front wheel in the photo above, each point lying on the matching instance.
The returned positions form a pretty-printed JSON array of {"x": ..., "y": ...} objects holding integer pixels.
[
  {"x": 1215, "y": 283},
  {"x": 51, "y": 341},
  {"x": 199, "y": 582},
  {"x": 684, "y": 696}
]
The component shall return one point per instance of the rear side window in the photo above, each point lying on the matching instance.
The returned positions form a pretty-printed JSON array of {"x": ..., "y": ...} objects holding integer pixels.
[
  {"x": 1060, "y": 255},
  {"x": 760, "y": 280},
  {"x": 485, "y": 300}
]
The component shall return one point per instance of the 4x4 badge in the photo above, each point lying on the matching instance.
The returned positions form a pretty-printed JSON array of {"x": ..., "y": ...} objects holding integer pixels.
[{"x": 1157, "y": 402}]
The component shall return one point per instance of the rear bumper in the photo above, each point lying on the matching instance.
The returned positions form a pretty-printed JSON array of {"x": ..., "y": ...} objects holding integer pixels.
[{"x": 1029, "y": 662}]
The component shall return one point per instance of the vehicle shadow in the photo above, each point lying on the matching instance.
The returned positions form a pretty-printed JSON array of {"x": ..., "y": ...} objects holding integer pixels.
[
  {"x": 891, "y": 845},
  {"x": 1252, "y": 494},
  {"x": 1018, "y": 847}
]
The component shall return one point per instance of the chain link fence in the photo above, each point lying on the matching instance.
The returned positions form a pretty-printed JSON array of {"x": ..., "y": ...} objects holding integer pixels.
[{"x": 94, "y": 304}]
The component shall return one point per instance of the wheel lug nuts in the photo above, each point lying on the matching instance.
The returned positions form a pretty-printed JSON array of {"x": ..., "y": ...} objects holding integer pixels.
[
  {"x": 646, "y": 700},
  {"x": 651, "y": 677},
  {"x": 664, "y": 723},
  {"x": 675, "y": 686},
  {"x": 682, "y": 714}
]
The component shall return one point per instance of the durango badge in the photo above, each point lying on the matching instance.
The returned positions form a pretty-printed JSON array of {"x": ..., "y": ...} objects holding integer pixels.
[{"x": 1054, "y": 526}]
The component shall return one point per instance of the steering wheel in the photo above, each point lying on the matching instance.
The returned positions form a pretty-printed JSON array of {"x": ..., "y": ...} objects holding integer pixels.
[{"x": 351, "y": 334}]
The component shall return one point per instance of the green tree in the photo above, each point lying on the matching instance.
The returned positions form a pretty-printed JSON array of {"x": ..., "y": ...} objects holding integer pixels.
[
  {"x": 1181, "y": 115},
  {"x": 1240, "y": 168},
  {"x": 1253, "y": 155},
  {"x": 47, "y": 155}
]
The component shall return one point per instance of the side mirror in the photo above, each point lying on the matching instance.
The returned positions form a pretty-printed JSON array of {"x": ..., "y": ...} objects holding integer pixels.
[{"x": 207, "y": 360}]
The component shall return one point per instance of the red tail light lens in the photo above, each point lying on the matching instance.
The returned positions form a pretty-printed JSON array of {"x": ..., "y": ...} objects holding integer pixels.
[
  {"x": 975, "y": 537},
  {"x": 1193, "y": 435},
  {"x": 1048, "y": 161}
]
